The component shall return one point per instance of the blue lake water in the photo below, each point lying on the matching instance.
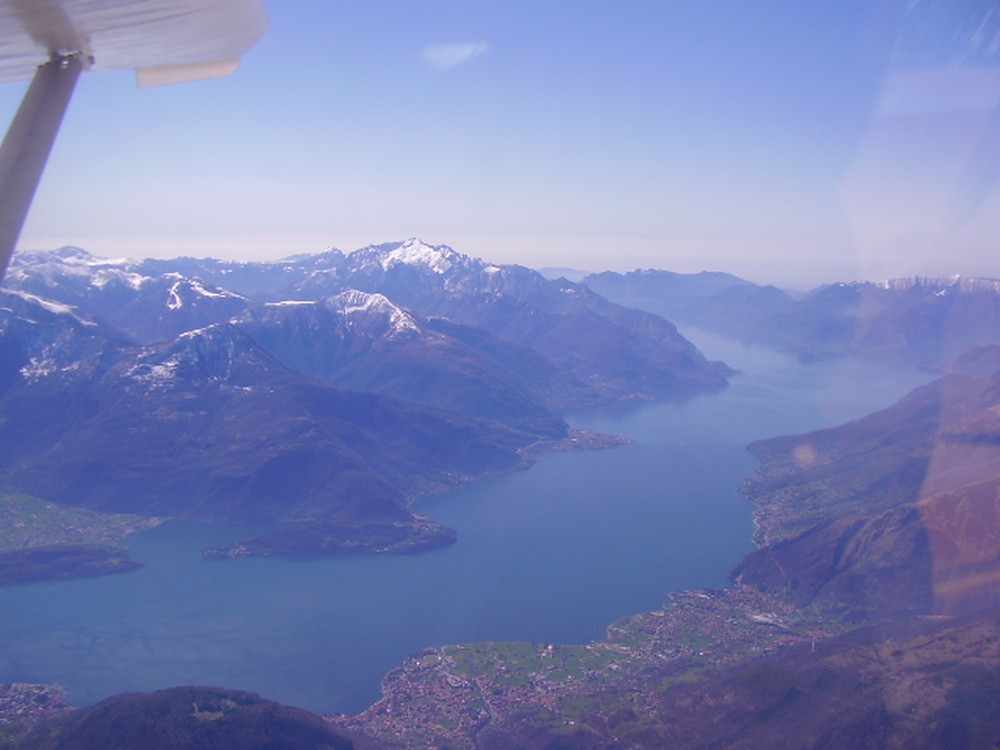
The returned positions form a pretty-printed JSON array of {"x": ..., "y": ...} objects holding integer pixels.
[{"x": 551, "y": 554}]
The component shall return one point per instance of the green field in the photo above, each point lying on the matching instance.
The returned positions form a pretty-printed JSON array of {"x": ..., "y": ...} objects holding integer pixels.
[{"x": 27, "y": 522}]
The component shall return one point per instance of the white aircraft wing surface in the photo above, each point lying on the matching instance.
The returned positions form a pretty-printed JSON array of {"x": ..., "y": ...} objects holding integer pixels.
[
  {"x": 163, "y": 40},
  {"x": 52, "y": 41}
]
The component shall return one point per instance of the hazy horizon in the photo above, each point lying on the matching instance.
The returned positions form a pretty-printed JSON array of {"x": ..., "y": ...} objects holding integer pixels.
[
  {"x": 231, "y": 252},
  {"x": 791, "y": 145}
]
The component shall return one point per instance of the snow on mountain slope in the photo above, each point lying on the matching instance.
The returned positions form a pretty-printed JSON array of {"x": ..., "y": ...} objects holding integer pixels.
[
  {"x": 611, "y": 352},
  {"x": 939, "y": 284},
  {"x": 567, "y": 323},
  {"x": 145, "y": 307},
  {"x": 39, "y": 337},
  {"x": 364, "y": 342},
  {"x": 209, "y": 425},
  {"x": 355, "y": 307}
]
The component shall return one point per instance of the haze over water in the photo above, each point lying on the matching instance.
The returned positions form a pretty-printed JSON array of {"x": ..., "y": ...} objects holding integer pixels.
[{"x": 551, "y": 554}]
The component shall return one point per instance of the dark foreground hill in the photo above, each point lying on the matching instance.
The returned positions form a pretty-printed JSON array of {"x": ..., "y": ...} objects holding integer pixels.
[{"x": 186, "y": 718}]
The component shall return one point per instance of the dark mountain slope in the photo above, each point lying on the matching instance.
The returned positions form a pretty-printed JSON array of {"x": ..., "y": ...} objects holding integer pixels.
[
  {"x": 940, "y": 437},
  {"x": 38, "y": 335},
  {"x": 363, "y": 342},
  {"x": 894, "y": 513},
  {"x": 210, "y": 426},
  {"x": 911, "y": 686}
]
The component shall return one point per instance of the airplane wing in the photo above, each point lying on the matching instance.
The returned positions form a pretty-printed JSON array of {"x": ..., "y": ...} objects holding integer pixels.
[
  {"x": 51, "y": 42},
  {"x": 204, "y": 37}
]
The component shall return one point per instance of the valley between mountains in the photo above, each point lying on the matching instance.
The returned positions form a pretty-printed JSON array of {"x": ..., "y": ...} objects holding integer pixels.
[{"x": 324, "y": 394}]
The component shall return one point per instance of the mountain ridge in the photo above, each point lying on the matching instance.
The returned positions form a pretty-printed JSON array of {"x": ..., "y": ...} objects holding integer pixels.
[
  {"x": 214, "y": 424},
  {"x": 558, "y": 319},
  {"x": 924, "y": 321}
]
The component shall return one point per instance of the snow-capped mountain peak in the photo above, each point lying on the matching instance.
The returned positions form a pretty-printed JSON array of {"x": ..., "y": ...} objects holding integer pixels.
[
  {"x": 351, "y": 313},
  {"x": 218, "y": 353},
  {"x": 48, "y": 337},
  {"x": 73, "y": 271},
  {"x": 942, "y": 284},
  {"x": 71, "y": 254},
  {"x": 415, "y": 252},
  {"x": 353, "y": 303}
]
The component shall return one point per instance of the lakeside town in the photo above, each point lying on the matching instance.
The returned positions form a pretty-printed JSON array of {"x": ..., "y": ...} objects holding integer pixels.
[
  {"x": 447, "y": 696},
  {"x": 22, "y": 704}
]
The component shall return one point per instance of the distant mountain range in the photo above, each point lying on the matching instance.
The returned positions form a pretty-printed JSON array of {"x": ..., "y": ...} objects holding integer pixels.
[
  {"x": 922, "y": 321},
  {"x": 614, "y": 352},
  {"x": 330, "y": 388}
]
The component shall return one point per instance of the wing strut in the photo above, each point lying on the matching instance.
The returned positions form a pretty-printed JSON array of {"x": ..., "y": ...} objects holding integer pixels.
[{"x": 28, "y": 142}]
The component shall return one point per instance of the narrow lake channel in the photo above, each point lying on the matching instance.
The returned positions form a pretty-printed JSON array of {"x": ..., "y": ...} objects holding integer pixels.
[{"x": 551, "y": 554}]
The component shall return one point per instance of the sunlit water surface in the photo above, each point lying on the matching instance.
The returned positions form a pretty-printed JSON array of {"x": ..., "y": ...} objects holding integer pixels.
[{"x": 551, "y": 554}]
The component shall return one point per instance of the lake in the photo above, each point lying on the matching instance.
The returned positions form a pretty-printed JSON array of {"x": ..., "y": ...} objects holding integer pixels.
[{"x": 554, "y": 553}]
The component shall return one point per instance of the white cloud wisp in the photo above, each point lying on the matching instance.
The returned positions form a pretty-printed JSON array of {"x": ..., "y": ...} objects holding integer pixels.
[{"x": 448, "y": 56}]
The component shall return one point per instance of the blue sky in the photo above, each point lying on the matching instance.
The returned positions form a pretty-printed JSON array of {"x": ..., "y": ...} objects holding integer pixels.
[{"x": 790, "y": 142}]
